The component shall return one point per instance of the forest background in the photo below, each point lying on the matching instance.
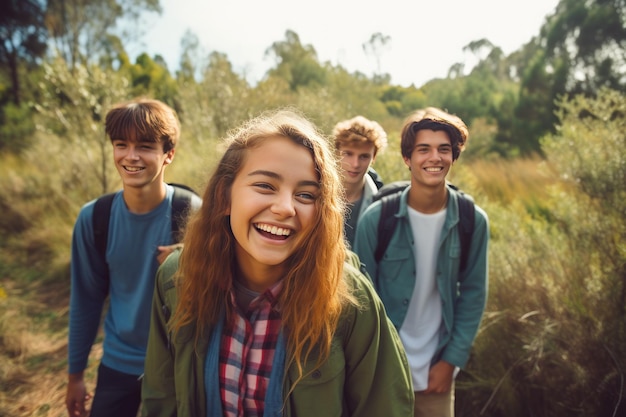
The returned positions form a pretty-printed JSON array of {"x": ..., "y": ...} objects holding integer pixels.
[{"x": 545, "y": 160}]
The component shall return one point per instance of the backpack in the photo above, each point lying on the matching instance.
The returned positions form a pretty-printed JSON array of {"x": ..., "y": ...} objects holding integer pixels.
[
  {"x": 390, "y": 201},
  {"x": 181, "y": 202},
  {"x": 376, "y": 177}
]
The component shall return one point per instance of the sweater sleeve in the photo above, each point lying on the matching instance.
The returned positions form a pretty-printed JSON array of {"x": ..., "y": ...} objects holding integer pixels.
[{"x": 89, "y": 289}]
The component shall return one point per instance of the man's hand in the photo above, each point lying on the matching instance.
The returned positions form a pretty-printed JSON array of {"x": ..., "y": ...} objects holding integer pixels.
[
  {"x": 76, "y": 396},
  {"x": 164, "y": 251},
  {"x": 440, "y": 378}
]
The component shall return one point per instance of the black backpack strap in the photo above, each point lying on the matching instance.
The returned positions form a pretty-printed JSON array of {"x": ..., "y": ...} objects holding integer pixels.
[
  {"x": 386, "y": 223},
  {"x": 100, "y": 221},
  {"x": 466, "y": 226},
  {"x": 180, "y": 209}
]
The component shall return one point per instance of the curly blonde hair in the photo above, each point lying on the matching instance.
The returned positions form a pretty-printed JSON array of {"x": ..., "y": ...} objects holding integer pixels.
[{"x": 360, "y": 130}]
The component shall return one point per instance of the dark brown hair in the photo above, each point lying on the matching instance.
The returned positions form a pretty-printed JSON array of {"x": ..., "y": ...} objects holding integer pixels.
[
  {"x": 432, "y": 118},
  {"x": 143, "y": 120}
]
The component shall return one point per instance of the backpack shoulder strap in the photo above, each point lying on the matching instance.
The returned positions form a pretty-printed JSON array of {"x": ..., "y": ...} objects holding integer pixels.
[
  {"x": 386, "y": 223},
  {"x": 466, "y": 226},
  {"x": 180, "y": 208},
  {"x": 100, "y": 220}
]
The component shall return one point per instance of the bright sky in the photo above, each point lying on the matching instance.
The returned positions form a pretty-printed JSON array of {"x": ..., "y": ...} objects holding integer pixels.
[{"x": 427, "y": 37}]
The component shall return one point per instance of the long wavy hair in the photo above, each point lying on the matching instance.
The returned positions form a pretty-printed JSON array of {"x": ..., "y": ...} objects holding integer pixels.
[{"x": 313, "y": 292}]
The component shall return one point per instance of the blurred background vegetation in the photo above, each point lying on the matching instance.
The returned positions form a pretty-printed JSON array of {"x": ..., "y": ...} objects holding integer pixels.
[{"x": 545, "y": 159}]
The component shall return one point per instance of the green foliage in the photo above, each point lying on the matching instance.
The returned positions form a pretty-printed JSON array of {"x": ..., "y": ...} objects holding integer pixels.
[
  {"x": 16, "y": 127},
  {"x": 82, "y": 29},
  {"x": 22, "y": 40},
  {"x": 554, "y": 332},
  {"x": 70, "y": 116},
  {"x": 581, "y": 49},
  {"x": 296, "y": 63},
  {"x": 589, "y": 146},
  {"x": 595, "y": 32},
  {"x": 151, "y": 78}
]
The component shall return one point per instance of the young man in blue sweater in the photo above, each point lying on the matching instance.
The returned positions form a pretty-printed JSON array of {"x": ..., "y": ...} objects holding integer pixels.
[{"x": 144, "y": 134}]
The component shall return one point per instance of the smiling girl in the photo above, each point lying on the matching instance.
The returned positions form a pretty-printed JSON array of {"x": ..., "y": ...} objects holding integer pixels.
[{"x": 265, "y": 312}]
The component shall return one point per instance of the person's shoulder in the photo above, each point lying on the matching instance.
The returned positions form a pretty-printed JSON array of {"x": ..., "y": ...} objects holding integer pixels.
[
  {"x": 372, "y": 211},
  {"x": 354, "y": 275},
  {"x": 87, "y": 210},
  {"x": 169, "y": 267},
  {"x": 479, "y": 213},
  {"x": 187, "y": 192}
]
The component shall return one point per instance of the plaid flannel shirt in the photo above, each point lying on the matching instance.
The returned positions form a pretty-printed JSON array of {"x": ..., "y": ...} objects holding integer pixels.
[{"x": 246, "y": 354}]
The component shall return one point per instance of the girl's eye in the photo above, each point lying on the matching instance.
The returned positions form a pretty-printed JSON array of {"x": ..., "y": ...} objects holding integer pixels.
[
  {"x": 306, "y": 197},
  {"x": 263, "y": 186}
]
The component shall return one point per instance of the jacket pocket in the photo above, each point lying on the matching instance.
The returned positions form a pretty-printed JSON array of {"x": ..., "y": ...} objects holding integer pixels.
[
  {"x": 394, "y": 260},
  {"x": 331, "y": 369}
]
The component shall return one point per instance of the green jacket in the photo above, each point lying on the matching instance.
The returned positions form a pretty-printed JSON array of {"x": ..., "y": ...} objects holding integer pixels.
[{"x": 366, "y": 375}]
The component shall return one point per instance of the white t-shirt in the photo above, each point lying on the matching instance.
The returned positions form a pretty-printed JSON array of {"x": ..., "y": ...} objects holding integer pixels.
[{"x": 420, "y": 330}]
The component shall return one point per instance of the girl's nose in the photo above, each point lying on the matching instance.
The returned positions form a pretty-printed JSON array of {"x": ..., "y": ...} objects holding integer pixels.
[{"x": 283, "y": 205}]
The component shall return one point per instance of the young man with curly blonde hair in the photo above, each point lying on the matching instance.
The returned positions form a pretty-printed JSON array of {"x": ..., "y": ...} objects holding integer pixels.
[{"x": 358, "y": 141}]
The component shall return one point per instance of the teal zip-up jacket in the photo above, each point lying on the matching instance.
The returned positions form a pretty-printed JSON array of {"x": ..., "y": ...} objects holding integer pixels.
[
  {"x": 463, "y": 295},
  {"x": 366, "y": 375}
]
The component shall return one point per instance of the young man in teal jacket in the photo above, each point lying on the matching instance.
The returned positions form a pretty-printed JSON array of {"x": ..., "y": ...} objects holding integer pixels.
[{"x": 436, "y": 306}]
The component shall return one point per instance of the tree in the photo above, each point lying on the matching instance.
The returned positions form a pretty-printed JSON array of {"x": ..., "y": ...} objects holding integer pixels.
[
  {"x": 22, "y": 39},
  {"x": 590, "y": 37},
  {"x": 82, "y": 29},
  {"x": 581, "y": 48},
  {"x": 151, "y": 77},
  {"x": 70, "y": 114},
  {"x": 296, "y": 63},
  {"x": 189, "y": 58},
  {"x": 377, "y": 46}
]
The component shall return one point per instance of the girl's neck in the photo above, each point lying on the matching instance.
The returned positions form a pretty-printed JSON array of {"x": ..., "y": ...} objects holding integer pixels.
[{"x": 258, "y": 278}]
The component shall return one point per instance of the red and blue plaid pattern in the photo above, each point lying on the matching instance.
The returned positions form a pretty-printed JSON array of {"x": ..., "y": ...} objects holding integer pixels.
[{"x": 246, "y": 355}]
